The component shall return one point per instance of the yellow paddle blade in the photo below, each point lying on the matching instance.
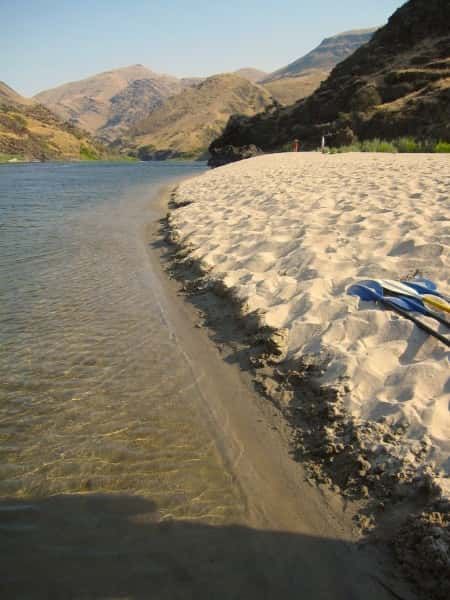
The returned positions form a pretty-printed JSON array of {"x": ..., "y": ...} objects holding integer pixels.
[{"x": 436, "y": 302}]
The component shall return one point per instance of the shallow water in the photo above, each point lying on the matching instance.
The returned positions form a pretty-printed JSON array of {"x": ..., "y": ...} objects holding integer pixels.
[{"x": 95, "y": 394}]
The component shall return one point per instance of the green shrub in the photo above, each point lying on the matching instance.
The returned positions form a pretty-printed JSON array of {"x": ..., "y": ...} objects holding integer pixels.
[
  {"x": 9, "y": 157},
  {"x": 408, "y": 144},
  {"x": 377, "y": 145},
  {"x": 350, "y": 148},
  {"x": 442, "y": 147},
  {"x": 428, "y": 146},
  {"x": 88, "y": 153},
  {"x": 404, "y": 144}
]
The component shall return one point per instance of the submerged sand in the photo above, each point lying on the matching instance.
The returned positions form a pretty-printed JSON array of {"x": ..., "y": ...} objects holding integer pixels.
[{"x": 286, "y": 234}]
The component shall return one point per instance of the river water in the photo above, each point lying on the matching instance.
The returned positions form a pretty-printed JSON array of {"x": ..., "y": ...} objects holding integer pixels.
[
  {"x": 133, "y": 463},
  {"x": 95, "y": 394}
]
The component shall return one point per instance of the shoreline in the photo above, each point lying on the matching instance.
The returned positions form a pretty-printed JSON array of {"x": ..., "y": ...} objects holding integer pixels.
[
  {"x": 257, "y": 438},
  {"x": 380, "y": 501}
]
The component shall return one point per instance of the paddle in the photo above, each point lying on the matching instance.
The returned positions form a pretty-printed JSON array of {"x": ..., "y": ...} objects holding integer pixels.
[
  {"x": 425, "y": 286},
  {"x": 404, "y": 290},
  {"x": 413, "y": 304},
  {"x": 397, "y": 304}
]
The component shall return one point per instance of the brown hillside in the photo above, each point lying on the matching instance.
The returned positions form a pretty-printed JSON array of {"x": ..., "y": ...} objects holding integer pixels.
[
  {"x": 186, "y": 123},
  {"x": 290, "y": 89},
  {"x": 108, "y": 103},
  {"x": 29, "y": 131}
]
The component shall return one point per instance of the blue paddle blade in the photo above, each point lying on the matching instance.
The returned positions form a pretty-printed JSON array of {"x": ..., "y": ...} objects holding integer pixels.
[
  {"x": 373, "y": 285},
  {"x": 425, "y": 282},
  {"x": 364, "y": 292}
]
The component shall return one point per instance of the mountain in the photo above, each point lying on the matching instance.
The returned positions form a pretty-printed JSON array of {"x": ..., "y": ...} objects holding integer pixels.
[
  {"x": 187, "y": 122},
  {"x": 398, "y": 84},
  {"x": 30, "y": 131},
  {"x": 303, "y": 76},
  {"x": 253, "y": 75},
  {"x": 328, "y": 54},
  {"x": 108, "y": 103}
]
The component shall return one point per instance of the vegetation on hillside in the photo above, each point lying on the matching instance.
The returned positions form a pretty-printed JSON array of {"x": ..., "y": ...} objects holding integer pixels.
[
  {"x": 186, "y": 123},
  {"x": 402, "y": 145},
  {"x": 29, "y": 131}
]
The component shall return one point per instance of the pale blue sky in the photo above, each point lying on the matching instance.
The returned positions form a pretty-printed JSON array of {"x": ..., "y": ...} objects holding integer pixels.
[{"x": 46, "y": 43}]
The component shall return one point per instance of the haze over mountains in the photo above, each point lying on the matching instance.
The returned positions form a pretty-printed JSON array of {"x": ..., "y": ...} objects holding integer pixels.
[{"x": 114, "y": 104}]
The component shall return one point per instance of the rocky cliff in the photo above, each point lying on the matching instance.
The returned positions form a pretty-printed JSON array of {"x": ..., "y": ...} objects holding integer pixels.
[{"x": 397, "y": 84}]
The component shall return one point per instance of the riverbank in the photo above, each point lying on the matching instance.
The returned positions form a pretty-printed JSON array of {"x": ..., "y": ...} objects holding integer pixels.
[
  {"x": 280, "y": 237},
  {"x": 255, "y": 440}
]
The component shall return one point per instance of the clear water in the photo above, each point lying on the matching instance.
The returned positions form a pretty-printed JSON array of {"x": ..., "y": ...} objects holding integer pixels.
[{"x": 95, "y": 395}]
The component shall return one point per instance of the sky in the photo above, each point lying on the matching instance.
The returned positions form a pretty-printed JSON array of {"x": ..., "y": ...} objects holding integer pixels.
[{"x": 47, "y": 43}]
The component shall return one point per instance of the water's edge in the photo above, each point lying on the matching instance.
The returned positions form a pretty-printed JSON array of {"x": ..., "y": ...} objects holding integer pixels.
[{"x": 253, "y": 437}]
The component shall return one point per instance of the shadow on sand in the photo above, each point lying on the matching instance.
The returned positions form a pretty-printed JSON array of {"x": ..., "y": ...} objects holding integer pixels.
[{"x": 114, "y": 546}]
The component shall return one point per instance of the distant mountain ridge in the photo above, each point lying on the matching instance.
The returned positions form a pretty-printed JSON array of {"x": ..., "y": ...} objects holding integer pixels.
[
  {"x": 253, "y": 75},
  {"x": 114, "y": 104},
  {"x": 108, "y": 104},
  {"x": 326, "y": 55}
]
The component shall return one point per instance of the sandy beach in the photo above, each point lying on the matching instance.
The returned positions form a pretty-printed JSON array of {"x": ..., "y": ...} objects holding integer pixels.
[{"x": 282, "y": 237}]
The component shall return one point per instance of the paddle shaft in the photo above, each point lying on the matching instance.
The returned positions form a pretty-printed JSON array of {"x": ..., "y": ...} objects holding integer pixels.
[
  {"x": 413, "y": 302},
  {"x": 435, "y": 301},
  {"x": 418, "y": 322}
]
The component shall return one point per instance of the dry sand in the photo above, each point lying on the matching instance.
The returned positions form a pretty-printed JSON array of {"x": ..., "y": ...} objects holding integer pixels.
[
  {"x": 288, "y": 233},
  {"x": 281, "y": 237}
]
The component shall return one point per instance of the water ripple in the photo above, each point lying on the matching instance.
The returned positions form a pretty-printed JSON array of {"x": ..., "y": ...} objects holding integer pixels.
[{"x": 95, "y": 394}]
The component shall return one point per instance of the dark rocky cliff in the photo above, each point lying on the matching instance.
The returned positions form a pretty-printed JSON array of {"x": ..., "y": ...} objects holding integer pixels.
[{"x": 398, "y": 84}]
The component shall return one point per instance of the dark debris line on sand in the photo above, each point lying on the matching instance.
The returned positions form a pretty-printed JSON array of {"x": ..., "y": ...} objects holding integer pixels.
[{"x": 398, "y": 499}]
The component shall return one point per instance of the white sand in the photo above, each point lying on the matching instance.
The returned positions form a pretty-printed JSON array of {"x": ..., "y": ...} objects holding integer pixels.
[{"x": 289, "y": 232}]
